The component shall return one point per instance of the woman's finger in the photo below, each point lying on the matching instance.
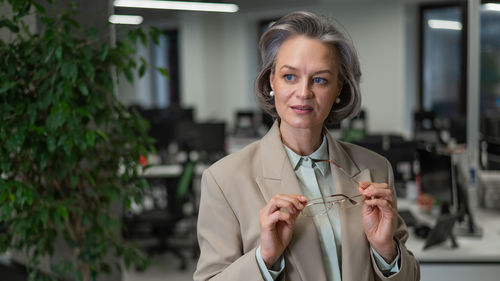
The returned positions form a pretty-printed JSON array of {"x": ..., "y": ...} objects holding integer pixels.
[
  {"x": 277, "y": 217},
  {"x": 382, "y": 204},
  {"x": 376, "y": 190},
  {"x": 297, "y": 200},
  {"x": 283, "y": 201}
]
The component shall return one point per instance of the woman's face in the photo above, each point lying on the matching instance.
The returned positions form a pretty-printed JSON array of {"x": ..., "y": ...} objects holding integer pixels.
[{"x": 305, "y": 83}]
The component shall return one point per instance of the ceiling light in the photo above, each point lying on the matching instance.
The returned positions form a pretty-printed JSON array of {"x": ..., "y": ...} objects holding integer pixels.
[
  {"x": 492, "y": 7},
  {"x": 445, "y": 24},
  {"x": 177, "y": 5},
  {"x": 125, "y": 19}
]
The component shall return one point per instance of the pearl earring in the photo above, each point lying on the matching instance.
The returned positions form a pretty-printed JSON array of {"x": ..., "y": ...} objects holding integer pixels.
[
  {"x": 271, "y": 93},
  {"x": 337, "y": 100}
]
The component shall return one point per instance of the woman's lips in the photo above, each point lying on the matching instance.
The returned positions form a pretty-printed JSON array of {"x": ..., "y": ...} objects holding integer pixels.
[{"x": 302, "y": 109}]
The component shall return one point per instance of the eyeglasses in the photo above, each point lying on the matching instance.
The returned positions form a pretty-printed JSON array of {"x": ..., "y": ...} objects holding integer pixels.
[{"x": 321, "y": 206}]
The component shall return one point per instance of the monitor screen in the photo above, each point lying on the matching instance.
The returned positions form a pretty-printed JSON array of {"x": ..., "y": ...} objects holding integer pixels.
[
  {"x": 209, "y": 137},
  {"x": 436, "y": 175}
]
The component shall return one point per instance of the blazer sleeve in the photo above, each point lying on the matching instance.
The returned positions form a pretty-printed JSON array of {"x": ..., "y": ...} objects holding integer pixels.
[
  {"x": 409, "y": 268},
  {"x": 220, "y": 238}
]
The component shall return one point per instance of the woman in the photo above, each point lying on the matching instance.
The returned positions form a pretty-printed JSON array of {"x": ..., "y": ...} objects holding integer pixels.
[{"x": 259, "y": 216}]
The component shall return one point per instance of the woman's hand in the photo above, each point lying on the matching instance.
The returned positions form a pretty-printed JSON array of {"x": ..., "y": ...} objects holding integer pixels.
[
  {"x": 277, "y": 221},
  {"x": 379, "y": 218}
]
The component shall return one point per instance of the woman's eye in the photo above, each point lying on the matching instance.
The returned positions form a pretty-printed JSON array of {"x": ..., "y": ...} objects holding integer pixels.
[
  {"x": 319, "y": 80},
  {"x": 289, "y": 77}
]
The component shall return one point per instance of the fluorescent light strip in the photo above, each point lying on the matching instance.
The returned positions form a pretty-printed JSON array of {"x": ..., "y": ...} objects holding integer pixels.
[
  {"x": 492, "y": 7},
  {"x": 125, "y": 19},
  {"x": 445, "y": 24},
  {"x": 177, "y": 5}
]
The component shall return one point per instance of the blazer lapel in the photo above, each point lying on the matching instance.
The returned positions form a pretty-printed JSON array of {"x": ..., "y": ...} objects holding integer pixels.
[
  {"x": 355, "y": 248},
  {"x": 278, "y": 177}
]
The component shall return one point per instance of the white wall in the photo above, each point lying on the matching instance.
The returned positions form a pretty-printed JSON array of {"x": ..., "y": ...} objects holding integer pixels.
[
  {"x": 219, "y": 57},
  {"x": 377, "y": 30}
]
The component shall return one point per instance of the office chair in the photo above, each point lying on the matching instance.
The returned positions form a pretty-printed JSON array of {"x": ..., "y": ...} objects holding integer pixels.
[{"x": 161, "y": 221}]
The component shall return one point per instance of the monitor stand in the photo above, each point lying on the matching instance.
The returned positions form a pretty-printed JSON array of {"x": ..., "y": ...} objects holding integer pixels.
[{"x": 465, "y": 225}]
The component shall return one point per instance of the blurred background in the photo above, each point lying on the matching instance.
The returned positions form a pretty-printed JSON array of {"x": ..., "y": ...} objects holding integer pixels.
[{"x": 431, "y": 105}]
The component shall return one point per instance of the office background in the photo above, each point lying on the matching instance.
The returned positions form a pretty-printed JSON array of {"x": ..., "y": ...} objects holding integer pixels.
[{"x": 213, "y": 60}]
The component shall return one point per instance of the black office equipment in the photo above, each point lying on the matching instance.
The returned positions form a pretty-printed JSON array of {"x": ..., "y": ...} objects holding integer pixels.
[
  {"x": 164, "y": 123},
  {"x": 442, "y": 231},
  {"x": 207, "y": 138},
  {"x": 245, "y": 124},
  {"x": 400, "y": 153},
  {"x": 490, "y": 143},
  {"x": 458, "y": 129},
  {"x": 168, "y": 196},
  {"x": 425, "y": 128},
  {"x": 436, "y": 176},
  {"x": 408, "y": 217}
]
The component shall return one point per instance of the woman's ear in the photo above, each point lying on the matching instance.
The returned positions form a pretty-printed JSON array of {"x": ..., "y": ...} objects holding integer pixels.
[
  {"x": 271, "y": 80},
  {"x": 340, "y": 85}
]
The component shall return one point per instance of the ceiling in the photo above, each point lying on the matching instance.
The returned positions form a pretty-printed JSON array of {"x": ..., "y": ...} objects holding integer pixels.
[{"x": 154, "y": 16}]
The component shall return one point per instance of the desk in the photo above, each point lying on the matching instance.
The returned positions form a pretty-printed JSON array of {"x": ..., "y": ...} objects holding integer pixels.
[
  {"x": 170, "y": 171},
  {"x": 474, "y": 259}
]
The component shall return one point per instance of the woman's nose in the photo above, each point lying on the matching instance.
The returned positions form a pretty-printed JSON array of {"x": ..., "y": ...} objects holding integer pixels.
[{"x": 304, "y": 91}]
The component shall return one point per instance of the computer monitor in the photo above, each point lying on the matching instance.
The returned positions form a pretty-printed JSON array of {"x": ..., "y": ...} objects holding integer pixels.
[
  {"x": 164, "y": 123},
  {"x": 207, "y": 137},
  {"x": 399, "y": 152},
  {"x": 458, "y": 129},
  {"x": 436, "y": 177}
]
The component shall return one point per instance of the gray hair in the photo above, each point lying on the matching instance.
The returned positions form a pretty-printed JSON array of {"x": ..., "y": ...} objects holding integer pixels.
[{"x": 317, "y": 27}]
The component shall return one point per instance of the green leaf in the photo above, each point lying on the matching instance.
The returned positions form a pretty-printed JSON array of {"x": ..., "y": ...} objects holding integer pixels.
[
  {"x": 62, "y": 211},
  {"x": 102, "y": 134},
  {"x": 90, "y": 138},
  {"x": 83, "y": 89},
  {"x": 7, "y": 86},
  {"x": 28, "y": 196},
  {"x": 7, "y": 23},
  {"x": 163, "y": 71},
  {"x": 84, "y": 112},
  {"x": 39, "y": 8},
  {"x": 128, "y": 75},
  {"x": 73, "y": 181},
  {"x": 59, "y": 52},
  {"x": 44, "y": 159},
  {"x": 88, "y": 69},
  {"x": 51, "y": 144},
  {"x": 58, "y": 116},
  {"x": 69, "y": 71},
  {"x": 142, "y": 70},
  {"x": 104, "y": 52},
  {"x": 142, "y": 36},
  {"x": 44, "y": 216},
  {"x": 39, "y": 74},
  {"x": 154, "y": 33},
  {"x": 15, "y": 141}
]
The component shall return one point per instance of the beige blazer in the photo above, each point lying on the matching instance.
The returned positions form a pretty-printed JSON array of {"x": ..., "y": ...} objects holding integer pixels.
[{"x": 234, "y": 189}]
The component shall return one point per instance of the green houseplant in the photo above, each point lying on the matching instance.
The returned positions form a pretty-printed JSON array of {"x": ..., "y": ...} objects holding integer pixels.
[{"x": 68, "y": 148}]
